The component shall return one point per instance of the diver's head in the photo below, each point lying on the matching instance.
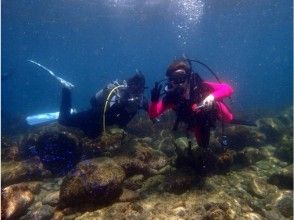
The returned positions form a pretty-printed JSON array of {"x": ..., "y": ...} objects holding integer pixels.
[
  {"x": 136, "y": 84},
  {"x": 178, "y": 75}
]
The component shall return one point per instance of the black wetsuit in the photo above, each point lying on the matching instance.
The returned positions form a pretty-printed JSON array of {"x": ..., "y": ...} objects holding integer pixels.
[{"x": 121, "y": 109}]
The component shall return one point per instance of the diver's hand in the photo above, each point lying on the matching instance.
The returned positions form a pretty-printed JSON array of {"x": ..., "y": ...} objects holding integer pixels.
[
  {"x": 155, "y": 92},
  {"x": 208, "y": 101}
]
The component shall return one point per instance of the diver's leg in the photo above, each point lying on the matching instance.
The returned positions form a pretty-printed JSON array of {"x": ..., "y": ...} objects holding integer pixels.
[
  {"x": 202, "y": 134},
  {"x": 65, "y": 107}
]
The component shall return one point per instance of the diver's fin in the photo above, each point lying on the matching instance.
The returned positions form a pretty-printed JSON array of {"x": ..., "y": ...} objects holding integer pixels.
[
  {"x": 243, "y": 122},
  {"x": 59, "y": 79},
  {"x": 44, "y": 118}
]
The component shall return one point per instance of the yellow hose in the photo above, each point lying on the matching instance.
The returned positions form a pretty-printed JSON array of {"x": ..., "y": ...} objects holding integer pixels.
[{"x": 106, "y": 103}]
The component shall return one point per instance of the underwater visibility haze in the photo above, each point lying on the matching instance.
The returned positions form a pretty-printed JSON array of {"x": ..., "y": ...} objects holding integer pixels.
[{"x": 141, "y": 171}]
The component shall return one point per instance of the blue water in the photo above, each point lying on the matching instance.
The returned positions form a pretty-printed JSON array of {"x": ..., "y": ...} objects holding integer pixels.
[{"x": 248, "y": 43}]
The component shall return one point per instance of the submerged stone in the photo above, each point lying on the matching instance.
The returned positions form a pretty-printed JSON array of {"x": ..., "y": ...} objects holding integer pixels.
[
  {"x": 58, "y": 147},
  {"x": 285, "y": 204},
  {"x": 177, "y": 182},
  {"x": 97, "y": 181},
  {"x": 240, "y": 136},
  {"x": 135, "y": 182},
  {"x": 45, "y": 212},
  {"x": 283, "y": 178},
  {"x": 15, "y": 200},
  {"x": 58, "y": 152},
  {"x": 19, "y": 171}
]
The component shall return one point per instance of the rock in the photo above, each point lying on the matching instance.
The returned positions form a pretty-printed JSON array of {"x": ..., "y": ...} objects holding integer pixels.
[
  {"x": 7, "y": 143},
  {"x": 45, "y": 212},
  {"x": 240, "y": 136},
  {"x": 166, "y": 145},
  {"x": 107, "y": 143},
  {"x": 15, "y": 200},
  {"x": 133, "y": 166},
  {"x": 286, "y": 117},
  {"x": 58, "y": 147},
  {"x": 14, "y": 171},
  {"x": 180, "y": 211},
  {"x": 182, "y": 143},
  {"x": 284, "y": 204},
  {"x": 217, "y": 211},
  {"x": 128, "y": 196},
  {"x": 257, "y": 187},
  {"x": 34, "y": 187},
  {"x": 252, "y": 216},
  {"x": 283, "y": 178},
  {"x": 273, "y": 129},
  {"x": 141, "y": 126},
  {"x": 135, "y": 182},
  {"x": 177, "y": 182},
  {"x": 154, "y": 159},
  {"x": 153, "y": 184},
  {"x": 225, "y": 160},
  {"x": 248, "y": 156},
  {"x": 284, "y": 150},
  {"x": 58, "y": 152},
  {"x": 10, "y": 153},
  {"x": 92, "y": 181},
  {"x": 51, "y": 199}
]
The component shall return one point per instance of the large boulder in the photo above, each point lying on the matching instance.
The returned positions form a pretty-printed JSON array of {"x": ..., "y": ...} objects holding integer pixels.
[
  {"x": 273, "y": 128},
  {"x": 96, "y": 181},
  {"x": 240, "y": 136},
  {"x": 15, "y": 200},
  {"x": 107, "y": 143},
  {"x": 58, "y": 151},
  {"x": 249, "y": 156},
  {"x": 140, "y": 158},
  {"x": 58, "y": 147},
  {"x": 9, "y": 150},
  {"x": 283, "y": 178},
  {"x": 19, "y": 171}
]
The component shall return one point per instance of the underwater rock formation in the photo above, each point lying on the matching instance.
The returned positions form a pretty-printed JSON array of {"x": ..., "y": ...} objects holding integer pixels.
[
  {"x": 283, "y": 178},
  {"x": 19, "y": 171},
  {"x": 106, "y": 144},
  {"x": 128, "y": 195},
  {"x": 240, "y": 136},
  {"x": 15, "y": 200},
  {"x": 58, "y": 152},
  {"x": 216, "y": 211},
  {"x": 225, "y": 160},
  {"x": 285, "y": 148},
  {"x": 134, "y": 182},
  {"x": 139, "y": 158},
  {"x": 97, "y": 181},
  {"x": 248, "y": 156},
  {"x": 178, "y": 182},
  {"x": 273, "y": 128},
  {"x": 10, "y": 153},
  {"x": 57, "y": 147},
  {"x": 44, "y": 212},
  {"x": 51, "y": 199},
  {"x": 284, "y": 204}
]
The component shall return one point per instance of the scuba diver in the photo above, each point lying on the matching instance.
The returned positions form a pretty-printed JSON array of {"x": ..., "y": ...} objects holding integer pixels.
[
  {"x": 197, "y": 103},
  {"x": 116, "y": 104}
]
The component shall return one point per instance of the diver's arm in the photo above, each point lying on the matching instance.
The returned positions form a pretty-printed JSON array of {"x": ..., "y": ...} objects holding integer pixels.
[
  {"x": 157, "y": 108},
  {"x": 220, "y": 90}
]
